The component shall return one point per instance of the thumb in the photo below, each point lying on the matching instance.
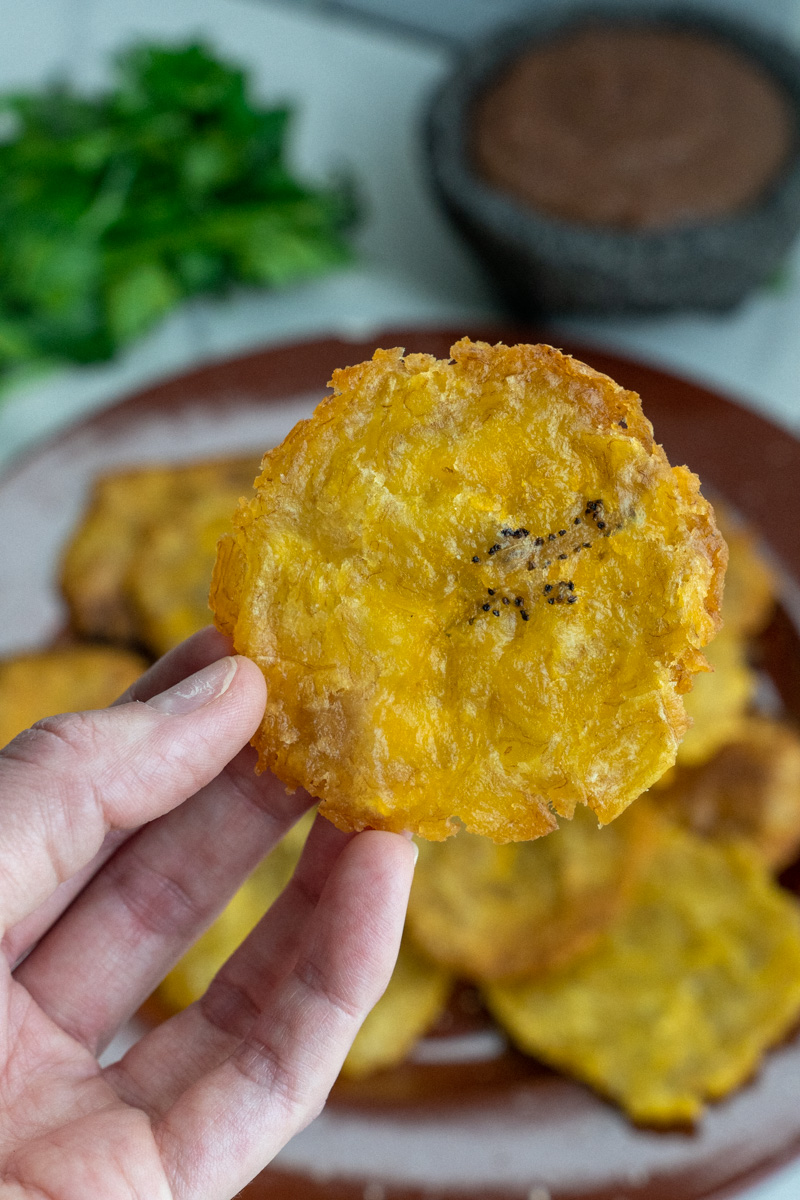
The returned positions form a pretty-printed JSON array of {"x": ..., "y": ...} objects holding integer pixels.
[{"x": 68, "y": 781}]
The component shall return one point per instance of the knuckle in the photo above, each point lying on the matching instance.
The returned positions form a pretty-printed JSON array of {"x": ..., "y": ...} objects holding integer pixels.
[
  {"x": 229, "y": 1006},
  {"x": 59, "y": 743},
  {"x": 56, "y": 759},
  {"x": 72, "y": 734},
  {"x": 156, "y": 901},
  {"x": 262, "y": 1062},
  {"x": 305, "y": 893},
  {"x": 319, "y": 986}
]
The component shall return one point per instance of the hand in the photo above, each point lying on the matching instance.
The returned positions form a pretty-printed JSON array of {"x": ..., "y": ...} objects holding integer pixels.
[{"x": 122, "y": 834}]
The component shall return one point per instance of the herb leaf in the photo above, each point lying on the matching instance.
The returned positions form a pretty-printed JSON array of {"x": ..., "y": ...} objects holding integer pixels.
[{"x": 115, "y": 208}]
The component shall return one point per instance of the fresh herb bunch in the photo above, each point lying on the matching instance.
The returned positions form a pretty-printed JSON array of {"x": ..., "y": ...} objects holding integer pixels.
[{"x": 114, "y": 208}]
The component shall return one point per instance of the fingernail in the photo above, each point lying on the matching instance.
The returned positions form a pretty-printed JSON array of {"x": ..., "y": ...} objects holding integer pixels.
[
  {"x": 198, "y": 689},
  {"x": 408, "y": 835}
]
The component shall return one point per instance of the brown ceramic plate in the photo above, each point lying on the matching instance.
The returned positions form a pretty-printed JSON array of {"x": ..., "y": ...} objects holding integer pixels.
[{"x": 466, "y": 1119}]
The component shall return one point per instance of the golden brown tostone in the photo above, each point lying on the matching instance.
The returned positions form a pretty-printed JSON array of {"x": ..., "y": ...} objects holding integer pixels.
[
  {"x": 493, "y": 912},
  {"x": 750, "y": 789},
  {"x": 477, "y": 591},
  {"x": 683, "y": 995},
  {"x": 137, "y": 568}
]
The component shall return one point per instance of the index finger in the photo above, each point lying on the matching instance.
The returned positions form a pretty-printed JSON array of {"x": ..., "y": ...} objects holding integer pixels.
[
  {"x": 71, "y": 780},
  {"x": 192, "y": 655}
]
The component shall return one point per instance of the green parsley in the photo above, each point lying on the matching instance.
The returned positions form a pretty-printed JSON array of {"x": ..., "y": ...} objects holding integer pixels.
[{"x": 115, "y": 208}]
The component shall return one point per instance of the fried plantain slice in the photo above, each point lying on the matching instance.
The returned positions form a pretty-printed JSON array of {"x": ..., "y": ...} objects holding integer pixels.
[
  {"x": 684, "y": 994},
  {"x": 476, "y": 590},
  {"x": 190, "y": 977},
  {"x": 416, "y": 996},
  {"x": 719, "y": 701},
  {"x": 170, "y": 569},
  {"x": 500, "y": 912},
  {"x": 749, "y": 789},
  {"x": 123, "y": 510},
  {"x": 750, "y": 584},
  {"x": 67, "y": 679}
]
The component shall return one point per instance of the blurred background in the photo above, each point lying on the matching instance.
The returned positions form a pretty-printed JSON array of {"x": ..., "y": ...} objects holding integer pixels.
[{"x": 358, "y": 77}]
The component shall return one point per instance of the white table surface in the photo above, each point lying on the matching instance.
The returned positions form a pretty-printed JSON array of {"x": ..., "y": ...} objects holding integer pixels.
[{"x": 360, "y": 95}]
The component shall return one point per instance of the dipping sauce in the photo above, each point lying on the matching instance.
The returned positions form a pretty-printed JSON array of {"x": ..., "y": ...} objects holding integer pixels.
[{"x": 633, "y": 127}]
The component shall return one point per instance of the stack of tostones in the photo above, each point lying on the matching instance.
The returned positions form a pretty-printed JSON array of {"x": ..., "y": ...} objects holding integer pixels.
[
  {"x": 683, "y": 995},
  {"x": 750, "y": 789},
  {"x": 477, "y": 591},
  {"x": 70, "y": 679},
  {"x": 719, "y": 702},
  {"x": 750, "y": 584},
  {"x": 138, "y": 568},
  {"x": 168, "y": 577},
  {"x": 501, "y": 912}
]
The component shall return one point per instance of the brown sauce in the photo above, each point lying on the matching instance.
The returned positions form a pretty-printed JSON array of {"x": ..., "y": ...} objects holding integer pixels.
[{"x": 634, "y": 128}]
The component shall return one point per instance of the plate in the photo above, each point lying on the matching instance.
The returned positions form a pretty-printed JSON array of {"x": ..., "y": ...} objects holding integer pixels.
[{"x": 466, "y": 1119}]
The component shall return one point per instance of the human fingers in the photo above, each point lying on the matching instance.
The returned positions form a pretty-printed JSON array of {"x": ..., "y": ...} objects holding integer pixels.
[
  {"x": 226, "y": 1127},
  {"x": 153, "y": 900},
  {"x": 71, "y": 779},
  {"x": 192, "y": 655},
  {"x": 177, "y": 1053}
]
